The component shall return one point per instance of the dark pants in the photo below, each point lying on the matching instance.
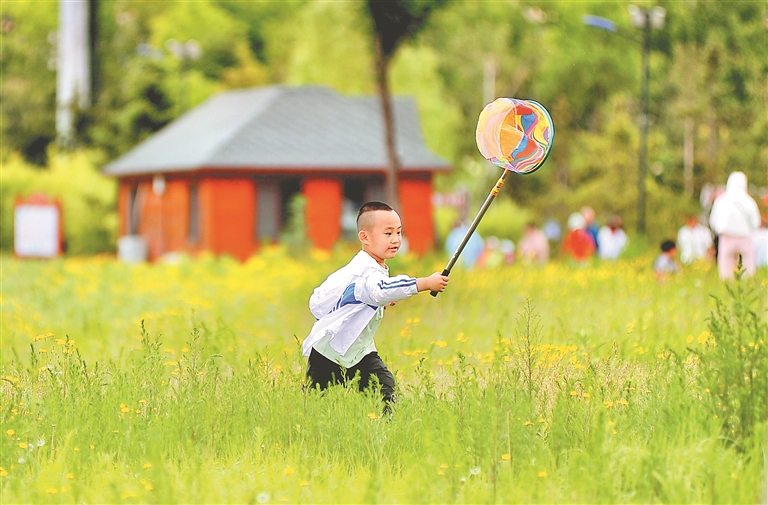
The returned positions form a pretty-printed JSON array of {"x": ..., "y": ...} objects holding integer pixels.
[{"x": 322, "y": 372}]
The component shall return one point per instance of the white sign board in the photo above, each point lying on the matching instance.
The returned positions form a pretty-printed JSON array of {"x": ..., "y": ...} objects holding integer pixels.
[{"x": 36, "y": 231}]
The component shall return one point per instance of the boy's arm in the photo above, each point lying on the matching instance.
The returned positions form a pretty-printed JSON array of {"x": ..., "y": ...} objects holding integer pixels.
[
  {"x": 435, "y": 282},
  {"x": 325, "y": 296},
  {"x": 379, "y": 289}
]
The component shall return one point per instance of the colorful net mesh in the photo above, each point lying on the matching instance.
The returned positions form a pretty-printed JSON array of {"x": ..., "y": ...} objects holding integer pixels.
[{"x": 515, "y": 134}]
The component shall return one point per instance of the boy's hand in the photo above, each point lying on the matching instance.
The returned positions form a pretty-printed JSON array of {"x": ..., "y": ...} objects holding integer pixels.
[{"x": 435, "y": 282}]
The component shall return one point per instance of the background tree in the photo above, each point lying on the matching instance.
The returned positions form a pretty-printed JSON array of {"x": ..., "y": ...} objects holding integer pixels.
[{"x": 393, "y": 22}]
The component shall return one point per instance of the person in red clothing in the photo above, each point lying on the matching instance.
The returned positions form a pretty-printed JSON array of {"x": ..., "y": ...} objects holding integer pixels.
[{"x": 578, "y": 244}]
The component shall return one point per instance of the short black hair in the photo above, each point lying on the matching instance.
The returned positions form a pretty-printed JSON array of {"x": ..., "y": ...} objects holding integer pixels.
[
  {"x": 668, "y": 245},
  {"x": 370, "y": 207}
]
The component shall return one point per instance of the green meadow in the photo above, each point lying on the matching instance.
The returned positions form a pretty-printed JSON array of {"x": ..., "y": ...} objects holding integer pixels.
[{"x": 184, "y": 383}]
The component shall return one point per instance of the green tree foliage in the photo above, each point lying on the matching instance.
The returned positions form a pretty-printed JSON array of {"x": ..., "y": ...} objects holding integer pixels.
[
  {"x": 27, "y": 70},
  {"x": 340, "y": 57}
]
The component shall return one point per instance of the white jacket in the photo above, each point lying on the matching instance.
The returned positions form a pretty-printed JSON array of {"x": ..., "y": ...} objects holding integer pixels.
[
  {"x": 347, "y": 300},
  {"x": 735, "y": 213}
]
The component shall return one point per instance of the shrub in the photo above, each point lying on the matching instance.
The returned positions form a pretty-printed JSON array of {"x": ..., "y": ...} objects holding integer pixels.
[{"x": 734, "y": 362}]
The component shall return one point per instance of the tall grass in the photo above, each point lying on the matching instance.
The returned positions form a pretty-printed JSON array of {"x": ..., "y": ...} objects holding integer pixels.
[{"x": 183, "y": 384}]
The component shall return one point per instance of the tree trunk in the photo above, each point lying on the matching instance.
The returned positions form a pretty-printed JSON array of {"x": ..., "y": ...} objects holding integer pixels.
[
  {"x": 393, "y": 163},
  {"x": 688, "y": 157}
]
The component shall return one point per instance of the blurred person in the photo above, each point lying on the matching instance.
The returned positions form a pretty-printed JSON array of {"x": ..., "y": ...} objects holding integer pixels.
[
  {"x": 734, "y": 218},
  {"x": 695, "y": 240},
  {"x": 611, "y": 239},
  {"x": 760, "y": 244},
  {"x": 577, "y": 243},
  {"x": 534, "y": 246},
  {"x": 491, "y": 257},
  {"x": 472, "y": 250},
  {"x": 552, "y": 230},
  {"x": 591, "y": 227},
  {"x": 665, "y": 262},
  {"x": 507, "y": 248}
]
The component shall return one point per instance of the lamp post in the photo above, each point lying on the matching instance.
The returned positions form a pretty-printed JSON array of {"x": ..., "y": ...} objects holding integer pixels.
[{"x": 646, "y": 19}]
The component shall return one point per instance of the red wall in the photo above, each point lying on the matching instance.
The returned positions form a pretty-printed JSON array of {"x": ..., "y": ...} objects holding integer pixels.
[
  {"x": 227, "y": 213},
  {"x": 323, "y": 212},
  {"x": 122, "y": 206},
  {"x": 416, "y": 203},
  {"x": 163, "y": 219},
  {"x": 228, "y": 216}
]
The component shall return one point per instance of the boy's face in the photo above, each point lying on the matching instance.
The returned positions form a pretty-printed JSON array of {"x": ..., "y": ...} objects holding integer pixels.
[{"x": 381, "y": 234}]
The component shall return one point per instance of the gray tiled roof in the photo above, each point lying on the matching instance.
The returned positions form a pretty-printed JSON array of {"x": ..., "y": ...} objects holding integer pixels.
[{"x": 281, "y": 127}]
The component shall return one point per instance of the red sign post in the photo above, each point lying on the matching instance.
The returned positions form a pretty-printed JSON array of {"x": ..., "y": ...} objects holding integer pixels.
[{"x": 37, "y": 227}]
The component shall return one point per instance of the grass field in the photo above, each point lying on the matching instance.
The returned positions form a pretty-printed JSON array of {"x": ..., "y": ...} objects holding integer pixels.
[{"x": 559, "y": 384}]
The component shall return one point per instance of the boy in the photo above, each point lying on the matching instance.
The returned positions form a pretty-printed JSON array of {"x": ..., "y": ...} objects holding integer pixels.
[
  {"x": 665, "y": 262},
  {"x": 350, "y": 303}
]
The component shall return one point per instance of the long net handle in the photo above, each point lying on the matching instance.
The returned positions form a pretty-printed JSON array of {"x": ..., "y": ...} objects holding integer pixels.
[{"x": 473, "y": 226}]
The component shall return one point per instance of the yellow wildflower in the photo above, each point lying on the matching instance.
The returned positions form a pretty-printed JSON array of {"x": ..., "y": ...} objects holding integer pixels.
[
  {"x": 506, "y": 457},
  {"x": 52, "y": 490},
  {"x": 372, "y": 416},
  {"x": 528, "y": 423},
  {"x": 147, "y": 465},
  {"x": 288, "y": 471},
  {"x": 10, "y": 432},
  {"x": 542, "y": 474},
  {"x": 23, "y": 445},
  {"x": 608, "y": 403},
  {"x": 70, "y": 476},
  {"x": 42, "y": 336}
]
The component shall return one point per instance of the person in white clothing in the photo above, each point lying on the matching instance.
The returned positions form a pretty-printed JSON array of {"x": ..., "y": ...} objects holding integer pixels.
[
  {"x": 694, "y": 240},
  {"x": 349, "y": 306},
  {"x": 611, "y": 239},
  {"x": 734, "y": 218},
  {"x": 760, "y": 245}
]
